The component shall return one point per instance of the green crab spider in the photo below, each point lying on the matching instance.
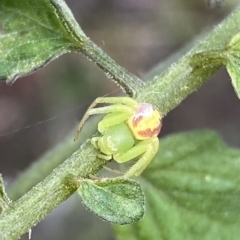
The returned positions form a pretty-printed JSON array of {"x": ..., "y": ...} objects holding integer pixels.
[{"x": 129, "y": 130}]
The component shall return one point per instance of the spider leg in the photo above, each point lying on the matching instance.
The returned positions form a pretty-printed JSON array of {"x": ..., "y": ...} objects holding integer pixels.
[
  {"x": 121, "y": 104},
  {"x": 147, "y": 148},
  {"x": 94, "y": 142},
  {"x": 113, "y": 170},
  {"x": 112, "y": 119},
  {"x": 117, "y": 100}
]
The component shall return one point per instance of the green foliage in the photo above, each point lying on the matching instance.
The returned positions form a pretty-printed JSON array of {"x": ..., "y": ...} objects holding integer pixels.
[
  {"x": 192, "y": 191},
  {"x": 32, "y": 33},
  {"x": 233, "y": 64},
  {"x": 4, "y": 201},
  {"x": 234, "y": 72},
  {"x": 119, "y": 201}
]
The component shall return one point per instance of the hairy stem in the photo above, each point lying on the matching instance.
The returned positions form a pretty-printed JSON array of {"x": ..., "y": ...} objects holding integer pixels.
[
  {"x": 43, "y": 167},
  {"x": 57, "y": 187},
  {"x": 169, "y": 88},
  {"x": 126, "y": 80}
]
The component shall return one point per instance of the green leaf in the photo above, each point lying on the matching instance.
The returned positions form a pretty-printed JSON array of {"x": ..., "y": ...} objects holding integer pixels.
[
  {"x": 234, "y": 72},
  {"x": 4, "y": 200},
  {"x": 234, "y": 44},
  {"x": 32, "y": 33},
  {"x": 233, "y": 62},
  {"x": 192, "y": 191},
  {"x": 117, "y": 200}
]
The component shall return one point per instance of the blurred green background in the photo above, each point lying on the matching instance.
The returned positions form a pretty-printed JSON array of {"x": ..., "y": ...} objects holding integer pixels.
[{"x": 138, "y": 35}]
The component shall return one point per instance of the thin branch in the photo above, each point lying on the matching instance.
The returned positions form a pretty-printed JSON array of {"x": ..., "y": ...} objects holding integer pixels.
[
  {"x": 126, "y": 80},
  {"x": 44, "y": 197},
  {"x": 43, "y": 166},
  {"x": 169, "y": 88}
]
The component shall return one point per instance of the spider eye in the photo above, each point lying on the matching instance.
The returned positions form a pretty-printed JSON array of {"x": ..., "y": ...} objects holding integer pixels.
[{"x": 146, "y": 122}]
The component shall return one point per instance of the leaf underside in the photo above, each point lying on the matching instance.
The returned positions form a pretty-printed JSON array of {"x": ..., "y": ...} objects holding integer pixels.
[
  {"x": 118, "y": 200},
  {"x": 192, "y": 191}
]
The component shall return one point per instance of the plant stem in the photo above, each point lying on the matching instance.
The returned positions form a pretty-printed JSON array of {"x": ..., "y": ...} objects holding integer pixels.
[
  {"x": 43, "y": 167},
  {"x": 56, "y": 188},
  {"x": 169, "y": 88},
  {"x": 126, "y": 80}
]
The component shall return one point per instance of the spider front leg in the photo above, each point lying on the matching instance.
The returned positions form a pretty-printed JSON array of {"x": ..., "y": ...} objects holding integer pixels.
[
  {"x": 147, "y": 148},
  {"x": 112, "y": 119},
  {"x": 125, "y": 105},
  {"x": 94, "y": 142}
]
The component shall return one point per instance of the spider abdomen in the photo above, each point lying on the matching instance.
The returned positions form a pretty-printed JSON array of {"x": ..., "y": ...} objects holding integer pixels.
[{"x": 116, "y": 139}]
